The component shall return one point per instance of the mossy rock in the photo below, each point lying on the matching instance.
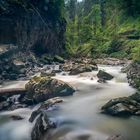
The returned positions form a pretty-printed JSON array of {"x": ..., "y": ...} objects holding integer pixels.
[{"x": 42, "y": 88}]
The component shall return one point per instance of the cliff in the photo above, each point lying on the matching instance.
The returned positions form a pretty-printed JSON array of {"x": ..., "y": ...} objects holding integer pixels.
[{"x": 36, "y": 25}]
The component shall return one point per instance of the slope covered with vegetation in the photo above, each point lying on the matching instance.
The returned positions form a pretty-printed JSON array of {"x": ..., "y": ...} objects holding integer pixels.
[{"x": 102, "y": 28}]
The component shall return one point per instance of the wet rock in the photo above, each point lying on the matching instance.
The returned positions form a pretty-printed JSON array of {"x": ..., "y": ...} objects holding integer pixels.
[
  {"x": 16, "y": 117},
  {"x": 125, "y": 106},
  {"x": 45, "y": 106},
  {"x": 104, "y": 75},
  {"x": 91, "y": 78},
  {"x": 101, "y": 81},
  {"x": 16, "y": 106},
  {"x": 47, "y": 73},
  {"x": 42, "y": 126},
  {"x": 42, "y": 88},
  {"x": 4, "y": 105}
]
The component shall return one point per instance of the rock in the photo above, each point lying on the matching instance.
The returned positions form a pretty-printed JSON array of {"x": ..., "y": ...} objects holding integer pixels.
[
  {"x": 119, "y": 110},
  {"x": 110, "y": 61},
  {"x": 124, "y": 106},
  {"x": 91, "y": 78},
  {"x": 102, "y": 81},
  {"x": 16, "y": 117},
  {"x": 42, "y": 126},
  {"x": 45, "y": 106},
  {"x": 58, "y": 59},
  {"x": 4, "y": 105},
  {"x": 104, "y": 75},
  {"x": 133, "y": 75},
  {"x": 18, "y": 64},
  {"x": 66, "y": 67},
  {"x": 116, "y": 137},
  {"x": 80, "y": 68},
  {"x": 42, "y": 88},
  {"x": 16, "y": 106},
  {"x": 47, "y": 73},
  {"x": 2, "y": 98}
]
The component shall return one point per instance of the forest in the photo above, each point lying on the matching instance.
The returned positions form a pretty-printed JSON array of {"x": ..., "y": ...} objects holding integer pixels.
[
  {"x": 69, "y": 69},
  {"x": 103, "y": 28}
]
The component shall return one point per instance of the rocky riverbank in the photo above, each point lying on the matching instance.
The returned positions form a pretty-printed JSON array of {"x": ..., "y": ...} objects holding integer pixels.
[
  {"x": 126, "y": 106},
  {"x": 40, "y": 89},
  {"x": 133, "y": 75}
]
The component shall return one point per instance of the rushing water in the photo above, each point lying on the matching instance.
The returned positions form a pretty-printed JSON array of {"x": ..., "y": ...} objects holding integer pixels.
[{"x": 79, "y": 117}]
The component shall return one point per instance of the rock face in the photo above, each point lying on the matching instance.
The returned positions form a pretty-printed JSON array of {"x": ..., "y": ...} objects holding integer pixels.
[
  {"x": 133, "y": 75},
  {"x": 29, "y": 27},
  {"x": 125, "y": 106},
  {"x": 38, "y": 25},
  {"x": 104, "y": 75},
  {"x": 42, "y": 88}
]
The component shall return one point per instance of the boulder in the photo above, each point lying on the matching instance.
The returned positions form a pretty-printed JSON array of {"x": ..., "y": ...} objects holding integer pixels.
[
  {"x": 104, "y": 75},
  {"x": 124, "y": 106},
  {"x": 42, "y": 88},
  {"x": 80, "y": 68},
  {"x": 42, "y": 126}
]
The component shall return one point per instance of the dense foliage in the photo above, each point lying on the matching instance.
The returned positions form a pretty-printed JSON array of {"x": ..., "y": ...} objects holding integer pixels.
[{"x": 101, "y": 28}]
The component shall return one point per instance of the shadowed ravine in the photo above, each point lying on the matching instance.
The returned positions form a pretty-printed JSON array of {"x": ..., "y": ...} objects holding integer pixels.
[{"x": 79, "y": 117}]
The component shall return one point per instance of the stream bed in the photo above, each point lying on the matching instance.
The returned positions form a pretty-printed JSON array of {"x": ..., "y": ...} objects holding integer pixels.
[{"x": 79, "y": 117}]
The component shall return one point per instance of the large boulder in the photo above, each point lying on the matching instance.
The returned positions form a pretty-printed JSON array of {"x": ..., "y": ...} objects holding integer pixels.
[
  {"x": 104, "y": 75},
  {"x": 42, "y": 88},
  {"x": 124, "y": 106},
  {"x": 80, "y": 68}
]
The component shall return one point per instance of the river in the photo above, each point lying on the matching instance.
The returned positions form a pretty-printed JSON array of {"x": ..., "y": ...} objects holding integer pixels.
[{"x": 79, "y": 117}]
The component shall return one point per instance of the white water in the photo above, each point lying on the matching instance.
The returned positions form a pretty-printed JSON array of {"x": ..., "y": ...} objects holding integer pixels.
[{"x": 79, "y": 117}]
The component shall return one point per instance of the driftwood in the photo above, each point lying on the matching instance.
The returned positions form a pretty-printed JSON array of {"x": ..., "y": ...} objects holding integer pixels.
[{"x": 12, "y": 91}]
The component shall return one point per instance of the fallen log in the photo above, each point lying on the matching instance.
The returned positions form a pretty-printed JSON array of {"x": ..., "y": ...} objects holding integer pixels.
[{"x": 12, "y": 91}]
